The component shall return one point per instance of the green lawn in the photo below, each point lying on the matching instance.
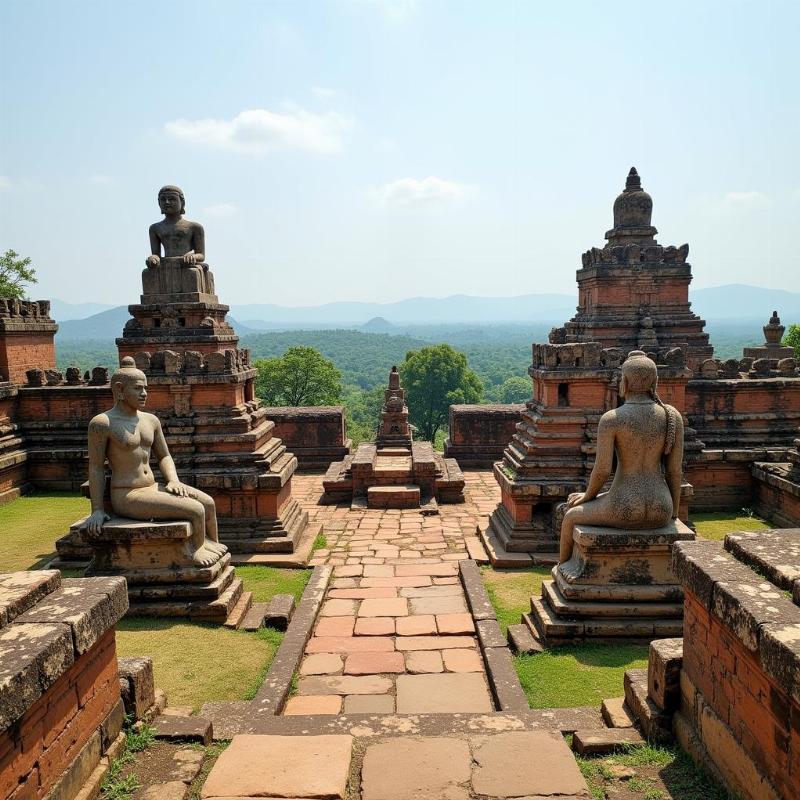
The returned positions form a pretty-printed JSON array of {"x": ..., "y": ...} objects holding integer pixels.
[
  {"x": 196, "y": 663},
  {"x": 715, "y": 524},
  {"x": 264, "y": 582},
  {"x": 510, "y": 591},
  {"x": 30, "y": 526}
]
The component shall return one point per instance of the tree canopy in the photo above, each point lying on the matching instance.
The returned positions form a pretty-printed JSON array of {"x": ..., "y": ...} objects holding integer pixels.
[
  {"x": 15, "y": 274},
  {"x": 792, "y": 339},
  {"x": 511, "y": 390},
  {"x": 434, "y": 378},
  {"x": 301, "y": 377}
]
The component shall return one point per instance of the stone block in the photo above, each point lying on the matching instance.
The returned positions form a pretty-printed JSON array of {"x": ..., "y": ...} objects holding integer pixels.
[
  {"x": 279, "y": 611},
  {"x": 20, "y": 591},
  {"x": 598, "y": 743},
  {"x": 664, "y": 672},
  {"x": 137, "y": 685},
  {"x": 447, "y": 693},
  {"x": 616, "y": 713},
  {"x": 521, "y": 640},
  {"x": 184, "y": 729},
  {"x": 490, "y": 634}
]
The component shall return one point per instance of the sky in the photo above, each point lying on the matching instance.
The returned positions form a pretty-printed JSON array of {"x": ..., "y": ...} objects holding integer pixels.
[{"x": 382, "y": 149}]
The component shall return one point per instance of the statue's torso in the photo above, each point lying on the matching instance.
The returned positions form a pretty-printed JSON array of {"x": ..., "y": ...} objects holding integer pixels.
[
  {"x": 128, "y": 450},
  {"x": 177, "y": 238}
]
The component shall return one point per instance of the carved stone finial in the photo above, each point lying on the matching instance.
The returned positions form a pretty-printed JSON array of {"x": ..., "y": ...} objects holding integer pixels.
[
  {"x": 633, "y": 182},
  {"x": 633, "y": 210},
  {"x": 773, "y": 330}
]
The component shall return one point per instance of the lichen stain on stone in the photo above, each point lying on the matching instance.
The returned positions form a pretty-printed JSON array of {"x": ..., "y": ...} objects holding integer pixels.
[
  {"x": 496, "y": 724},
  {"x": 636, "y": 572},
  {"x": 402, "y": 724}
]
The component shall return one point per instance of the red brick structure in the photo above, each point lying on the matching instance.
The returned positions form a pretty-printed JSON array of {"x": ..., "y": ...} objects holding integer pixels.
[
  {"x": 60, "y": 708},
  {"x": 317, "y": 435},
  {"x": 26, "y": 338},
  {"x": 479, "y": 434},
  {"x": 739, "y": 703}
]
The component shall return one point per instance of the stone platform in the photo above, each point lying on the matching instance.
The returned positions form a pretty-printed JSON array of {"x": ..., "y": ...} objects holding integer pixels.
[
  {"x": 618, "y": 584},
  {"x": 395, "y": 477},
  {"x": 155, "y": 558}
]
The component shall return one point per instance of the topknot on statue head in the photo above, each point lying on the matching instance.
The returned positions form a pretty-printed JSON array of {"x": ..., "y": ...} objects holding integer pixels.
[
  {"x": 639, "y": 373},
  {"x": 126, "y": 373},
  {"x": 169, "y": 188}
]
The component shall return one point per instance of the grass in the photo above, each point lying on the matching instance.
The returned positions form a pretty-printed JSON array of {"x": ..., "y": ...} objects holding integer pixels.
[
  {"x": 31, "y": 525},
  {"x": 195, "y": 663},
  {"x": 510, "y": 591},
  {"x": 264, "y": 582},
  {"x": 320, "y": 543},
  {"x": 115, "y": 786},
  {"x": 715, "y": 524},
  {"x": 659, "y": 773},
  {"x": 577, "y": 675}
]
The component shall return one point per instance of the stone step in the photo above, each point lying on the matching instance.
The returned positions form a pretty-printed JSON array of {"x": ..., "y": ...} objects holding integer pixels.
[
  {"x": 174, "y": 591},
  {"x": 656, "y": 724},
  {"x": 239, "y": 611},
  {"x": 216, "y": 610},
  {"x": 403, "y": 496},
  {"x": 616, "y": 713},
  {"x": 664, "y": 673},
  {"x": 254, "y": 618},
  {"x": 522, "y": 641},
  {"x": 279, "y": 611},
  {"x": 20, "y": 591},
  {"x": 580, "y": 609},
  {"x": 598, "y": 743}
]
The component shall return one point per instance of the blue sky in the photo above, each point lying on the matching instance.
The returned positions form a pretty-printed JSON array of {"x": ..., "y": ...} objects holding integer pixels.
[{"x": 382, "y": 149}]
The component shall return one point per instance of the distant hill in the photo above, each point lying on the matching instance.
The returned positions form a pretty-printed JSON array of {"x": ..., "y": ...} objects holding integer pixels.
[
  {"x": 737, "y": 301},
  {"x": 61, "y": 311},
  {"x": 378, "y": 325}
]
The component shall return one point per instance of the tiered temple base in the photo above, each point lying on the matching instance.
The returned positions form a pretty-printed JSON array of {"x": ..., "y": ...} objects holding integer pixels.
[
  {"x": 618, "y": 584},
  {"x": 395, "y": 477},
  {"x": 155, "y": 558}
]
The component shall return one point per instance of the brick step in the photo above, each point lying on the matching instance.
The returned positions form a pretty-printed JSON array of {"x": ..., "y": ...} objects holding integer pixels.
[
  {"x": 616, "y": 713},
  {"x": 598, "y": 743},
  {"x": 175, "y": 591},
  {"x": 656, "y": 725},
  {"x": 239, "y": 611},
  {"x": 254, "y": 618},
  {"x": 403, "y": 496},
  {"x": 212, "y": 611},
  {"x": 564, "y": 607}
]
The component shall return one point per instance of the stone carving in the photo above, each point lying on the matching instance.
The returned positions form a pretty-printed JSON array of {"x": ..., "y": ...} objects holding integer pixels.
[
  {"x": 53, "y": 377},
  {"x": 99, "y": 376},
  {"x": 73, "y": 376},
  {"x": 35, "y": 377},
  {"x": 125, "y": 436},
  {"x": 709, "y": 369},
  {"x": 180, "y": 238},
  {"x": 647, "y": 335},
  {"x": 644, "y": 434},
  {"x": 773, "y": 330}
]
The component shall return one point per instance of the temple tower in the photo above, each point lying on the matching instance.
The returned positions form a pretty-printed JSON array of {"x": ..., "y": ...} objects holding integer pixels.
[
  {"x": 634, "y": 284},
  {"x": 394, "y": 430}
]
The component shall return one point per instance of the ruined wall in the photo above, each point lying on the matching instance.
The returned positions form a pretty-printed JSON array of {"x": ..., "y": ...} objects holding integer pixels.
[
  {"x": 26, "y": 337},
  {"x": 479, "y": 434},
  {"x": 317, "y": 435},
  {"x": 60, "y": 707}
]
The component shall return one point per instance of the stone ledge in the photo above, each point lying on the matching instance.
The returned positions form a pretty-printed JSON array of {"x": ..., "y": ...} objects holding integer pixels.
[
  {"x": 19, "y": 591},
  {"x": 774, "y": 553}
]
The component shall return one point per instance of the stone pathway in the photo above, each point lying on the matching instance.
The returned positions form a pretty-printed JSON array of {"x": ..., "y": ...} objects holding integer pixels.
[{"x": 394, "y": 632}]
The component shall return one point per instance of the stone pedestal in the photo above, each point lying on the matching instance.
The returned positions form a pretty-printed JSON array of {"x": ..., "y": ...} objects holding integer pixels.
[
  {"x": 618, "y": 584},
  {"x": 155, "y": 558}
]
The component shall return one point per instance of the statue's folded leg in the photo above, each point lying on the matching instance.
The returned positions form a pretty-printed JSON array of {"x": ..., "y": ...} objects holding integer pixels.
[{"x": 594, "y": 512}]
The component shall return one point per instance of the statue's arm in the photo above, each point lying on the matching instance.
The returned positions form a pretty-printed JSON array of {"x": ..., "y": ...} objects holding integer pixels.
[
  {"x": 199, "y": 243},
  {"x": 674, "y": 466},
  {"x": 165, "y": 462},
  {"x": 604, "y": 458},
  {"x": 154, "y": 259},
  {"x": 98, "y": 440}
]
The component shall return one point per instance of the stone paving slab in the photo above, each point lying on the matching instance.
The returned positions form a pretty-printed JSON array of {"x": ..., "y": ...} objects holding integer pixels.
[
  {"x": 281, "y": 767},
  {"x": 443, "y": 694}
]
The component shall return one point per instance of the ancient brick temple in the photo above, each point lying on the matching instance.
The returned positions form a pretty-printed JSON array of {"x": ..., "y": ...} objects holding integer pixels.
[
  {"x": 740, "y": 414},
  {"x": 394, "y": 472}
]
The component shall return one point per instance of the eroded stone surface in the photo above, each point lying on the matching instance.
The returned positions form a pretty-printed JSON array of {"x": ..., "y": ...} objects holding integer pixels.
[
  {"x": 19, "y": 591},
  {"x": 443, "y": 693}
]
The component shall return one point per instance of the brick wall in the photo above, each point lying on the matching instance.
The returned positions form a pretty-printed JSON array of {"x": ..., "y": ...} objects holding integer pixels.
[
  {"x": 38, "y": 748},
  {"x": 21, "y": 352}
]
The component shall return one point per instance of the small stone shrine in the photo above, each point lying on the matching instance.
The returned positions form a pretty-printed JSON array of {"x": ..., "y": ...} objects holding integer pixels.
[
  {"x": 163, "y": 539},
  {"x": 772, "y": 348},
  {"x": 394, "y": 471},
  {"x": 614, "y": 577},
  {"x": 61, "y": 713}
]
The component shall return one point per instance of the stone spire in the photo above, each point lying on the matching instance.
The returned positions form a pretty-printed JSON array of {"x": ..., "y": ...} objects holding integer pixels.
[
  {"x": 633, "y": 210},
  {"x": 773, "y": 330}
]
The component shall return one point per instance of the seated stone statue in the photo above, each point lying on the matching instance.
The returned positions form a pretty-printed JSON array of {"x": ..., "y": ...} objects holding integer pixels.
[
  {"x": 180, "y": 238},
  {"x": 647, "y": 437},
  {"x": 125, "y": 436}
]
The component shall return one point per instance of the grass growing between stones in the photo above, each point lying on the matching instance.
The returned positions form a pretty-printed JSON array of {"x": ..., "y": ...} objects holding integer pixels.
[
  {"x": 715, "y": 524},
  {"x": 264, "y": 582},
  {"x": 31, "y": 524},
  {"x": 649, "y": 773},
  {"x": 195, "y": 662},
  {"x": 577, "y": 675},
  {"x": 510, "y": 591}
]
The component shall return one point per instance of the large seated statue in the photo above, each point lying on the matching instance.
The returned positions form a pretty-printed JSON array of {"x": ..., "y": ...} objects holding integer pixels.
[
  {"x": 125, "y": 436},
  {"x": 647, "y": 438}
]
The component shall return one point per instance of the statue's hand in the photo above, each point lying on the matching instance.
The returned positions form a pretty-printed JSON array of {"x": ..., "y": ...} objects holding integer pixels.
[
  {"x": 575, "y": 499},
  {"x": 152, "y": 261},
  {"x": 190, "y": 259},
  {"x": 94, "y": 523},
  {"x": 176, "y": 487}
]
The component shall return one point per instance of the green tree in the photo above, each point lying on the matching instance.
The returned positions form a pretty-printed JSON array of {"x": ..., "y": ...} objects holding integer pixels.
[
  {"x": 792, "y": 339},
  {"x": 15, "y": 273},
  {"x": 301, "y": 377},
  {"x": 511, "y": 390},
  {"x": 434, "y": 378}
]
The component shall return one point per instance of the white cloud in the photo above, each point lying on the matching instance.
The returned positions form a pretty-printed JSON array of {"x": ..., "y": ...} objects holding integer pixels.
[
  {"x": 258, "y": 131},
  {"x": 221, "y": 210},
  {"x": 745, "y": 200},
  {"x": 413, "y": 192},
  {"x": 5, "y": 183},
  {"x": 101, "y": 180}
]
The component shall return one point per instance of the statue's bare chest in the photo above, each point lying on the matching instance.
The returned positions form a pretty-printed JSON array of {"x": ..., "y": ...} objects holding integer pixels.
[
  {"x": 132, "y": 437},
  {"x": 177, "y": 237}
]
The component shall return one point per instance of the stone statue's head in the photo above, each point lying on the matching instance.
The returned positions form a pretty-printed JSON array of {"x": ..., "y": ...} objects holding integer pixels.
[
  {"x": 163, "y": 194},
  {"x": 129, "y": 384},
  {"x": 639, "y": 375}
]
